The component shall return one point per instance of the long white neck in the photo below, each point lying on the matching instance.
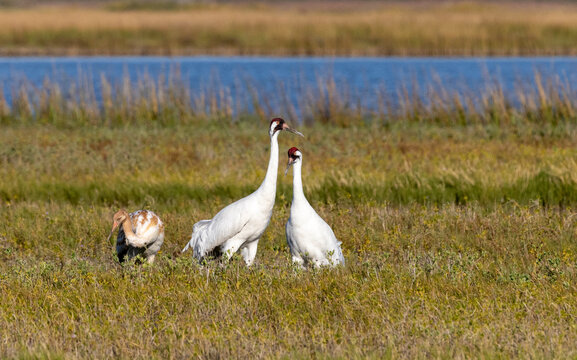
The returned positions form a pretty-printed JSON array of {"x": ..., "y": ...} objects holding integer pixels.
[
  {"x": 298, "y": 193},
  {"x": 268, "y": 186}
]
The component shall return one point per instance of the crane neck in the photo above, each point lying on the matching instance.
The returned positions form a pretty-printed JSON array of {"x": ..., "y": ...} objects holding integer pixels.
[
  {"x": 298, "y": 192},
  {"x": 127, "y": 227},
  {"x": 268, "y": 185}
]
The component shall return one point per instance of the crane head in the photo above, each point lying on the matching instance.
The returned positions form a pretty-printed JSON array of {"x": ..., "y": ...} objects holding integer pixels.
[
  {"x": 278, "y": 124},
  {"x": 118, "y": 218},
  {"x": 294, "y": 155}
]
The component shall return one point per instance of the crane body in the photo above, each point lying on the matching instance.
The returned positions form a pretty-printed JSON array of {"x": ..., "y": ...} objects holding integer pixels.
[
  {"x": 141, "y": 233},
  {"x": 310, "y": 239},
  {"x": 239, "y": 226}
]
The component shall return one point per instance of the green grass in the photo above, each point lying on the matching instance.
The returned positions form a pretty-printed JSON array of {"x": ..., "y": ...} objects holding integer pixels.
[{"x": 459, "y": 241}]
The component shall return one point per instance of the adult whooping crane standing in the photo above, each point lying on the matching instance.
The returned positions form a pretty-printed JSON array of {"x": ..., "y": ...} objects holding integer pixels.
[
  {"x": 310, "y": 239},
  {"x": 241, "y": 224},
  {"x": 141, "y": 232}
]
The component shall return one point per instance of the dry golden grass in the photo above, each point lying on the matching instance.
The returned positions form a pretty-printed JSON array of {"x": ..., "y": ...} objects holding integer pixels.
[{"x": 387, "y": 29}]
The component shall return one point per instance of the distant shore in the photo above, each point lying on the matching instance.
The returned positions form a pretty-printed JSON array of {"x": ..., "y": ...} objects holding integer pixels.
[{"x": 293, "y": 29}]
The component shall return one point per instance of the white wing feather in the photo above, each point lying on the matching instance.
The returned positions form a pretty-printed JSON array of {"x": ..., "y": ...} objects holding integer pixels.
[{"x": 209, "y": 234}]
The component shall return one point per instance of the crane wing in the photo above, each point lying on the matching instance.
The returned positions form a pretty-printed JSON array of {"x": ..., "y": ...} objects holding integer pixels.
[
  {"x": 196, "y": 229},
  {"x": 209, "y": 234}
]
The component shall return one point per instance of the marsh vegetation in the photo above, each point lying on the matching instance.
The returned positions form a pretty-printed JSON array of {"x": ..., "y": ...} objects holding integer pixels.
[
  {"x": 456, "y": 210},
  {"x": 459, "y": 239},
  {"x": 293, "y": 28}
]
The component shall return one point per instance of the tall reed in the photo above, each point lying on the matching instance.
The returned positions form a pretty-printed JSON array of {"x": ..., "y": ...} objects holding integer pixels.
[{"x": 168, "y": 100}]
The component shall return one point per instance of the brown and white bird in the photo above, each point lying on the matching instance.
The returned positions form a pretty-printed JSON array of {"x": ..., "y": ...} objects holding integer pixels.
[{"x": 141, "y": 233}]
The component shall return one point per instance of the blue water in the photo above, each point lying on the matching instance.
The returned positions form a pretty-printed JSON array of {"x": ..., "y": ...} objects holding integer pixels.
[{"x": 362, "y": 77}]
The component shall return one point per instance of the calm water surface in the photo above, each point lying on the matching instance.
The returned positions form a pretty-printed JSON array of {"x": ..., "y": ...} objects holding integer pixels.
[{"x": 361, "y": 77}]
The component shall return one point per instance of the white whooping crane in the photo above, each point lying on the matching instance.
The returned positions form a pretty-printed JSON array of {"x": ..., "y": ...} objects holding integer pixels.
[
  {"x": 141, "y": 232},
  {"x": 310, "y": 239},
  {"x": 240, "y": 225}
]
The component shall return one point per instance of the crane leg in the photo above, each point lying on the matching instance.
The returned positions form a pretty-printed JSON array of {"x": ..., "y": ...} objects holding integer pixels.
[
  {"x": 231, "y": 246},
  {"x": 298, "y": 261},
  {"x": 248, "y": 252},
  {"x": 321, "y": 262}
]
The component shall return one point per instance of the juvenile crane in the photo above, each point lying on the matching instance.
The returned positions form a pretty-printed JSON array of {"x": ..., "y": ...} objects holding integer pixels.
[
  {"x": 310, "y": 239},
  {"x": 141, "y": 232},
  {"x": 240, "y": 225}
]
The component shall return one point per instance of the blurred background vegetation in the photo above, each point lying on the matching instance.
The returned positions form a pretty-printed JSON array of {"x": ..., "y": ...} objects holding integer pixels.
[{"x": 171, "y": 27}]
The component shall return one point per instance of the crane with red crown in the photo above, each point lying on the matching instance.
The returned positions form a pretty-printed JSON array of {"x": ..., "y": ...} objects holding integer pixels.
[
  {"x": 310, "y": 239},
  {"x": 240, "y": 225}
]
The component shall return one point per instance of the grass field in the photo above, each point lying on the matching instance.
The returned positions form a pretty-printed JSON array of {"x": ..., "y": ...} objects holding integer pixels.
[
  {"x": 293, "y": 28},
  {"x": 459, "y": 241}
]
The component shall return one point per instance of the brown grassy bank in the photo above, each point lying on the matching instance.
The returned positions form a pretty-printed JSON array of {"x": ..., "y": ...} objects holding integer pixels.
[{"x": 445, "y": 29}]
